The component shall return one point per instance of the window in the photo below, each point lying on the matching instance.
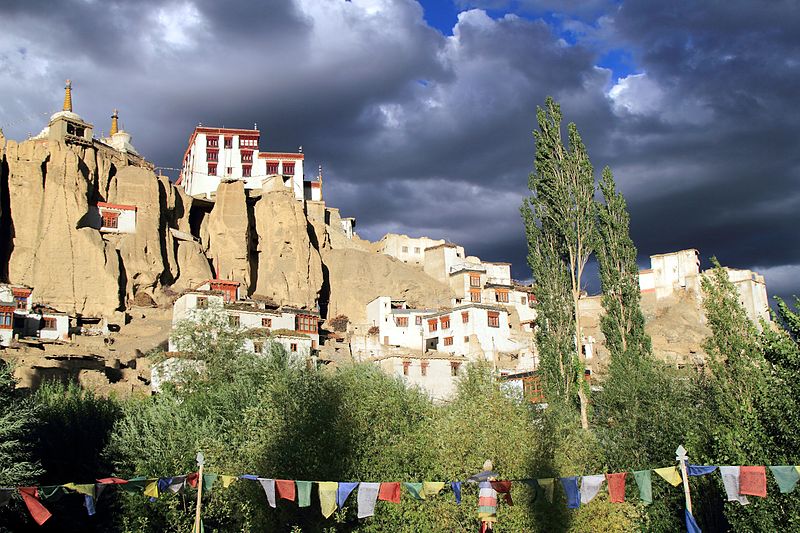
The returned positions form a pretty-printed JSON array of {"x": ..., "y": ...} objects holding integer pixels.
[
  {"x": 6, "y": 319},
  {"x": 406, "y": 364},
  {"x": 445, "y": 320},
  {"x": 523, "y": 300},
  {"x": 416, "y": 249},
  {"x": 202, "y": 302},
  {"x": 418, "y": 320},
  {"x": 228, "y": 142},
  {"x": 212, "y": 142},
  {"x": 454, "y": 366},
  {"x": 401, "y": 321},
  {"x": 212, "y": 169},
  {"x": 448, "y": 341},
  {"x": 247, "y": 141},
  {"x": 110, "y": 219},
  {"x": 258, "y": 347},
  {"x": 230, "y": 171},
  {"x": 494, "y": 319},
  {"x": 272, "y": 167},
  {"x": 423, "y": 368},
  {"x": 293, "y": 347},
  {"x": 433, "y": 325},
  {"x": 266, "y": 322},
  {"x": 385, "y": 339},
  {"x": 288, "y": 169},
  {"x": 501, "y": 296},
  {"x": 466, "y": 340},
  {"x": 234, "y": 320},
  {"x": 247, "y": 157},
  {"x": 246, "y": 171},
  {"x": 474, "y": 280},
  {"x": 48, "y": 323},
  {"x": 405, "y": 249},
  {"x": 306, "y": 323},
  {"x": 22, "y": 302},
  {"x": 475, "y": 296},
  {"x": 212, "y": 155}
]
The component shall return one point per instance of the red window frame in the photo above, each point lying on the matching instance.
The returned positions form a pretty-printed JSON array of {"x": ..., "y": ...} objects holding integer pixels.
[
  {"x": 306, "y": 323},
  {"x": 418, "y": 320},
  {"x": 474, "y": 280},
  {"x": 475, "y": 296},
  {"x": 445, "y": 320},
  {"x": 246, "y": 171},
  {"x": 266, "y": 322},
  {"x": 212, "y": 155},
  {"x": 272, "y": 167},
  {"x": 401, "y": 321},
  {"x": 293, "y": 346},
  {"x": 212, "y": 142},
  {"x": 110, "y": 219},
  {"x": 501, "y": 295},
  {"x": 247, "y": 156},
  {"x": 448, "y": 341},
  {"x": 465, "y": 317},
  {"x": 493, "y": 319},
  {"x": 454, "y": 366},
  {"x": 423, "y": 368},
  {"x": 228, "y": 142},
  {"x": 406, "y": 365},
  {"x": 212, "y": 169},
  {"x": 433, "y": 324},
  {"x": 48, "y": 322},
  {"x": 288, "y": 169}
]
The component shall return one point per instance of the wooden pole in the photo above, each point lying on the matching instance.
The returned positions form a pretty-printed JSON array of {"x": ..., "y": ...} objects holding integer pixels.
[
  {"x": 680, "y": 455},
  {"x": 200, "y": 462}
]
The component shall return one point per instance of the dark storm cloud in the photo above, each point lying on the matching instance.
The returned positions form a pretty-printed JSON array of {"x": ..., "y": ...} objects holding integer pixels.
[{"x": 428, "y": 133}]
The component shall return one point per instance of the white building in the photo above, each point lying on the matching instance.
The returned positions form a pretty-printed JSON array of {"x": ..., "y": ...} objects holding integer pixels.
[
  {"x": 407, "y": 249},
  {"x": 216, "y": 154},
  {"x": 436, "y": 374},
  {"x": 7, "y": 308},
  {"x": 113, "y": 218}
]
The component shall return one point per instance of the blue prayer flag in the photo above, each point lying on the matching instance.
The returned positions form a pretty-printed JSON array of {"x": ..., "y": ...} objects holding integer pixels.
[
  {"x": 456, "y": 486},
  {"x": 691, "y": 525},
  {"x": 699, "y": 470},
  {"x": 570, "y": 485},
  {"x": 344, "y": 490}
]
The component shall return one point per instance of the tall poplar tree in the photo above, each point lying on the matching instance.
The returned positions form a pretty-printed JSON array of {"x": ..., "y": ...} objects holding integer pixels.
[{"x": 560, "y": 225}]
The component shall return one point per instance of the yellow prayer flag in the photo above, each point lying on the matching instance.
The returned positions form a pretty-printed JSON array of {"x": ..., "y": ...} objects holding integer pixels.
[
  {"x": 327, "y": 497},
  {"x": 151, "y": 489},
  {"x": 670, "y": 474},
  {"x": 547, "y": 486},
  {"x": 227, "y": 480},
  {"x": 432, "y": 488},
  {"x": 85, "y": 488},
  {"x": 798, "y": 469}
]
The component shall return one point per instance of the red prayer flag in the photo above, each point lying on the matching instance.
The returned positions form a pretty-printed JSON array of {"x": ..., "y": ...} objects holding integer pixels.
[
  {"x": 753, "y": 481},
  {"x": 504, "y": 488},
  {"x": 30, "y": 495},
  {"x": 112, "y": 481},
  {"x": 192, "y": 478},
  {"x": 616, "y": 487},
  {"x": 390, "y": 492},
  {"x": 285, "y": 489}
]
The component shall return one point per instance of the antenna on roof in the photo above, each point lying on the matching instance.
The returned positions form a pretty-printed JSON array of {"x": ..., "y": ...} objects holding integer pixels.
[
  {"x": 300, "y": 149},
  {"x": 255, "y": 125}
]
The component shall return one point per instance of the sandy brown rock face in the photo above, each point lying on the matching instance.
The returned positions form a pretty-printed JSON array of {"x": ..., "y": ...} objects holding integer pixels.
[
  {"x": 227, "y": 233},
  {"x": 289, "y": 266},
  {"x": 357, "y": 277},
  {"x": 68, "y": 265}
]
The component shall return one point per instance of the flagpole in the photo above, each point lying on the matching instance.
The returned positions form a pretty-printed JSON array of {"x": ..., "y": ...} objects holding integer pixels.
[
  {"x": 200, "y": 461},
  {"x": 681, "y": 457}
]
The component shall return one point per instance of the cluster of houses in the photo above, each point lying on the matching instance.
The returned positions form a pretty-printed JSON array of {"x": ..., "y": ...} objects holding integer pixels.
[{"x": 22, "y": 320}]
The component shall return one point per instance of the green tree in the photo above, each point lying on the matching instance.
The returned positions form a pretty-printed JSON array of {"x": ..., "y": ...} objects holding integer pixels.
[
  {"x": 17, "y": 424},
  {"x": 560, "y": 225}
]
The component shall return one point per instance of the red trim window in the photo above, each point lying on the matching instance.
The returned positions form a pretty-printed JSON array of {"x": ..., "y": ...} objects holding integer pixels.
[
  {"x": 418, "y": 320},
  {"x": 448, "y": 341},
  {"x": 454, "y": 366},
  {"x": 202, "y": 302},
  {"x": 293, "y": 346},
  {"x": 228, "y": 142},
  {"x": 406, "y": 365},
  {"x": 306, "y": 323},
  {"x": 423, "y": 368},
  {"x": 212, "y": 142},
  {"x": 212, "y": 155},
  {"x": 401, "y": 321},
  {"x": 212, "y": 169},
  {"x": 110, "y": 219},
  {"x": 288, "y": 169},
  {"x": 445, "y": 320},
  {"x": 474, "y": 280},
  {"x": 501, "y": 295},
  {"x": 475, "y": 296},
  {"x": 494, "y": 319},
  {"x": 48, "y": 323},
  {"x": 433, "y": 325},
  {"x": 247, "y": 156},
  {"x": 6, "y": 317},
  {"x": 272, "y": 167},
  {"x": 465, "y": 317},
  {"x": 249, "y": 142},
  {"x": 246, "y": 170},
  {"x": 266, "y": 322}
]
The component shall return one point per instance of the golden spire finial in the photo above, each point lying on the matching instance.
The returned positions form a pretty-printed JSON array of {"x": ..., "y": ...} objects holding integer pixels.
[
  {"x": 114, "y": 123},
  {"x": 68, "y": 96}
]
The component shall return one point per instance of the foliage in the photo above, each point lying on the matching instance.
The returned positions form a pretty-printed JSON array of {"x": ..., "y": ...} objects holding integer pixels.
[
  {"x": 560, "y": 225},
  {"x": 339, "y": 323}
]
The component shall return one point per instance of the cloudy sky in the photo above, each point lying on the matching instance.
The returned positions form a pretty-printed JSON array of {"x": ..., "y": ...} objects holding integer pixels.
[{"x": 421, "y": 112}]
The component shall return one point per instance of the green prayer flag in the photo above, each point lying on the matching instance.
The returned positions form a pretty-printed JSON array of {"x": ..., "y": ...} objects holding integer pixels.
[
  {"x": 304, "y": 493},
  {"x": 134, "y": 484},
  {"x": 645, "y": 483},
  {"x": 51, "y": 493},
  {"x": 415, "y": 489},
  {"x": 786, "y": 477},
  {"x": 208, "y": 482}
]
